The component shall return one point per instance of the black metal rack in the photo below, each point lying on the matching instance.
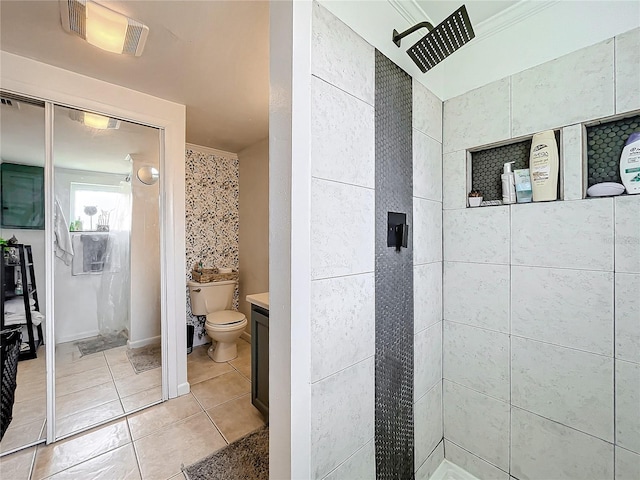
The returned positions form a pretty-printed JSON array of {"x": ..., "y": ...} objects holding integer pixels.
[{"x": 29, "y": 291}]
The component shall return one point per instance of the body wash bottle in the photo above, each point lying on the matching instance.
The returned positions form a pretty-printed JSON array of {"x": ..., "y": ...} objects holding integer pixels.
[
  {"x": 630, "y": 164},
  {"x": 543, "y": 165},
  {"x": 508, "y": 184}
]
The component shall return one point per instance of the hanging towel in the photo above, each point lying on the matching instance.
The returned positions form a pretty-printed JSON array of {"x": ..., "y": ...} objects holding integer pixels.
[
  {"x": 94, "y": 252},
  {"x": 63, "y": 246}
]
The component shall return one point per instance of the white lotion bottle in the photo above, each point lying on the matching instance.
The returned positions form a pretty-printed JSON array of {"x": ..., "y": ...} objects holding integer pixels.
[
  {"x": 508, "y": 184},
  {"x": 543, "y": 165},
  {"x": 630, "y": 164}
]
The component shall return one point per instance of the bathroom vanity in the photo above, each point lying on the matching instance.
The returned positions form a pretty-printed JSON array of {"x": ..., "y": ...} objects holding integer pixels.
[{"x": 260, "y": 351}]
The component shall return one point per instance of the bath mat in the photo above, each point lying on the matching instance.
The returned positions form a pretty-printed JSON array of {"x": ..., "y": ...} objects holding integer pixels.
[
  {"x": 244, "y": 459},
  {"x": 145, "y": 358},
  {"x": 101, "y": 343}
]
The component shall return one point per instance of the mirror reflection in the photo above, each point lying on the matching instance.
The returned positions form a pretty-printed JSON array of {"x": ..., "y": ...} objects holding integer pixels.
[{"x": 107, "y": 270}]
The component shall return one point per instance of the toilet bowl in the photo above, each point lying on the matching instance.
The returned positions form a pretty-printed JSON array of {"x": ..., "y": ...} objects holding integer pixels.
[{"x": 223, "y": 325}]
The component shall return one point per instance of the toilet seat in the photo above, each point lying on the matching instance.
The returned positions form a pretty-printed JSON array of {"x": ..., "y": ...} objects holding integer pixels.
[{"x": 225, "y": 318}]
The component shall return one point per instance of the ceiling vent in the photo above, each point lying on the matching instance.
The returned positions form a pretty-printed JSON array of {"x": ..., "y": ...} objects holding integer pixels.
[
  {"x": 7, "y": 102},
  {"x": 103, "y": 27}
]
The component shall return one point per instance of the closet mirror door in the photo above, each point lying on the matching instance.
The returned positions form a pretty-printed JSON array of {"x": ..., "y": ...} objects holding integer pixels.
[
  {"x": 23, "y": 312},
  {"x": 106, "y": 269}
]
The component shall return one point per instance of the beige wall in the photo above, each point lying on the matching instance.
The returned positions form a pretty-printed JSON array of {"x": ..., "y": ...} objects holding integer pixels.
[{"x": 254, "y": 222}]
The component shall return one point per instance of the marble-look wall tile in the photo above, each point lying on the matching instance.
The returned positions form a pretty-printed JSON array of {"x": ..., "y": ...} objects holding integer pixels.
[
  {"x": 427, "y": 360},
  {"x": 568, "y": 386},
  {"x": 340, "y": 56},
  {"x": 427, "y": 420},
  {"x": 627, "y": 465},
  {"x": 473, "y": 464},
  {"x": 576, "y": 235},
  {"x": 542, "y": 449},
  {"x": 427, "y": 231},
  {"x": 342, "y": 323},
  {"x": 477, "y": 358},
  {"x": 427, "y": 167},
  {"x": 360, "y": 466},
  {"x": 477, "y": 294},
  {"x": 339, "y": 428},
  {"x": 342, "y": 229},
  {"x": 427, "y": 469},
  {"x": 572, "y": 162},
  {"x": 427, "y": 295},
  {"x": 628, "y": 71},
  {"x": 427, "y": 111},
  {"x": 572, "y": 308},
  {"x": 478, "y": 117},
  {"x": 454, "y": 180},
  {"x": 477, "y": 423},
  {"x": 552, "y": 94},
  {"x": 479, "y": 235},
  {"x": 628, "y": 405},
  {"x": 627, "y": 234},
  {"x": 212, "y": 219},
  {"x": 342, "y": 136},
  {"x": 628, "y": 317}
]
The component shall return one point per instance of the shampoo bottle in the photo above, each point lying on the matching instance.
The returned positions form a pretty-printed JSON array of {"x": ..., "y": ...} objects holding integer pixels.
[
  {"x": 630, "y": 164},
  {"x": 508, "y": 184},
  {"x": 543, "y": 165}
]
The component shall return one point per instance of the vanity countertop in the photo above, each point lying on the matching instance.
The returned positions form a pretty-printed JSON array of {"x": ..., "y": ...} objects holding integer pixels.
[{"x": 259, "y": 299}]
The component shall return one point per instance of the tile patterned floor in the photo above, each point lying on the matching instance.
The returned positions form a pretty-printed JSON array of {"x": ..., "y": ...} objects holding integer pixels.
[{"x": 153, "y": 443}]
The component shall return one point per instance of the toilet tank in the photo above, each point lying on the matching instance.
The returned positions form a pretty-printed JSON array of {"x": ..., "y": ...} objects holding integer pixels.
[{"x": 211, "y": 297}]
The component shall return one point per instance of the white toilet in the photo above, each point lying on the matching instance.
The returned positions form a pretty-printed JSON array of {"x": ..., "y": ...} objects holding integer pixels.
[{"x": 223, "y": 324}]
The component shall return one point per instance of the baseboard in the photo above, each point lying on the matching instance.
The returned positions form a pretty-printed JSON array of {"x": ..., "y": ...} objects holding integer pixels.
[
  {"x": 144, "y": 342},
  {"x": 77, "y": 336},
  {"x": 246, "y": 336},
  {"x": 451, "y": 471},
  {"x": 184, "y": 388}
]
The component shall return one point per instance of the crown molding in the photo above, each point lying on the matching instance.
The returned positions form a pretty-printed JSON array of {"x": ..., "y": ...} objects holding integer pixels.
[
  {"x": 410, "y": 11},
  {"x": 211, "y": 151}
]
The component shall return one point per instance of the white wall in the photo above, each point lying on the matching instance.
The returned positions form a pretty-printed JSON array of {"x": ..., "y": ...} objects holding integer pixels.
[
  {"x": 539, "y": 319},
  {"x": 254, "y": 223}
]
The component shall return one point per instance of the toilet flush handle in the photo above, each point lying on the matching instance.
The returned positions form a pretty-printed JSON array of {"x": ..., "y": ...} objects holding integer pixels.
[{"x": 196, "y": 290}]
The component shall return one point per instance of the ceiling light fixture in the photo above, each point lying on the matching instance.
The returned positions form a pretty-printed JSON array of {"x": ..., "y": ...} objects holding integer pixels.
[
  {"x": 103, "y": 27},
  {"x": 93, "y": 120}
]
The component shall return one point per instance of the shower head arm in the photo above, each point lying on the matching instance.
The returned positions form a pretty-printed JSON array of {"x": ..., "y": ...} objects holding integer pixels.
[{"x": 399, "y": 36}]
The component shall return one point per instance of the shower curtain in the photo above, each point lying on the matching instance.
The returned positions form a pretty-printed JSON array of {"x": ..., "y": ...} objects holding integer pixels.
[{"x": 114, "y": 292}]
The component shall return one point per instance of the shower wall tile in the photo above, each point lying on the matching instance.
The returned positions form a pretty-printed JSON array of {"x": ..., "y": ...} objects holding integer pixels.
[
  {"x": 477, "y": 294},
  {"x": 628, "y": 405},
  {"x": 473, "y": 464},
  {"x": 342, "y": 229},
  {"x": 212, "y": 219},
  {"x": 576, "y": 235},
  {"x": 628, "y": 71},
  {"x": 427, "y": 360},
  {"x": 340, "y": 56},
  {"x": 477, "y": 358},
  {"x": 572, "y": 308},
  {"x": 428, "y": 423},
  {"x": 427, "y": 295},
  {"x": 339, "y": 428},
  {"x": 477, "y": 423},
  {"x": 572, "y": 162},
  {"x": 427, "y": 469},
  {"x": 627, "y": 234},
  {"x": 478, "y": 117},
  {"x": 427, "y": 167},
  {"x": 539, "y": 101},
  {"x": 427, "y": 231},
  {"x": 564, "y": 385},
  {"x": 479, "y": 235},
  {"x": 342, "y": 323},
  {"x": 627, "y": 317},
  {"x": 361, "y": 464},
  {"x": 427, "y": 111},
  {"x": 567, "y": 453},
  {"x": 342, "y": 136},
  {"x": 454, "y": 180},
  {"x": 627, "y": 465}
]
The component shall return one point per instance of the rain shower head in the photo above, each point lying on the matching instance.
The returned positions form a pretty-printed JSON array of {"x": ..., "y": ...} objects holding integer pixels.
[{"x": 441, "y": 41}]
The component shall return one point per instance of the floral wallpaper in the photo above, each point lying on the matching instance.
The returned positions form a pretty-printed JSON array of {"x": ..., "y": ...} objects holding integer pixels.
[{"x": 212, "y": 219}]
